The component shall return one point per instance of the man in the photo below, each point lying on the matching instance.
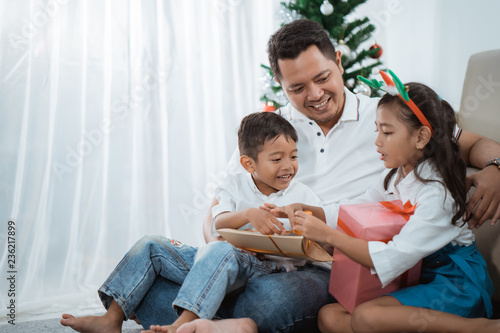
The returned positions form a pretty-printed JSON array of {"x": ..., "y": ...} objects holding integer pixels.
[{"x": 337, "y": 160}]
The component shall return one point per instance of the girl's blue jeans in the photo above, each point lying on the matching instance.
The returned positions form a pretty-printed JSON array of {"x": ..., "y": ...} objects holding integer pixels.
[{"x": 223, "y": 282}]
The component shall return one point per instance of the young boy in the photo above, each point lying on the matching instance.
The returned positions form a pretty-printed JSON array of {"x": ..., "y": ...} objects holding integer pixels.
[
  {"x": 267, "y": 144},
  {"x": 268, "y": 152}
]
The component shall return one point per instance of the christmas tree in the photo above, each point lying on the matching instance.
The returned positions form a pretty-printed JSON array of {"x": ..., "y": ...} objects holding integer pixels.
[{"x": 348, "y": 34}]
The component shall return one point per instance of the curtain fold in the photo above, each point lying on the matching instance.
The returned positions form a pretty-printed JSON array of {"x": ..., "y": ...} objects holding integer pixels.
[{"x": 117, "y": 119}]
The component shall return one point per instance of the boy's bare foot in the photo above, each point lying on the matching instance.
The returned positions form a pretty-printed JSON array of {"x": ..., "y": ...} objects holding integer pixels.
[
  {"x": 92, "y": 324},
  {"x": 241, "y": 325},
  {"x": 162, "y": 329},
  {"x": 489, "y": 326}
]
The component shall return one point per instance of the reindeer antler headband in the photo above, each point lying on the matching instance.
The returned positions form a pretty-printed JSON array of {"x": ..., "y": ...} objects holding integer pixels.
[{"x": 395, "y": 87}]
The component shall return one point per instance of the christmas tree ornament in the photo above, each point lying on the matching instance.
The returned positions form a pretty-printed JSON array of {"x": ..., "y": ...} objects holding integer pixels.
[
  {"x": 350, "y": 83},
  {"x": 353, "y": 55},
  {"x": 268, "y": 106},
  {"x": 326, "y": 8},
  {"x": 344, "y": 49},
  {"x": 378, "y": 53},
  {"x": 362, "y": 88}
]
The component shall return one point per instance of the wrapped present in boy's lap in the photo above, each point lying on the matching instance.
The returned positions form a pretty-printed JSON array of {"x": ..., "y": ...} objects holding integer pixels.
[{"x": 351, "y": 283}]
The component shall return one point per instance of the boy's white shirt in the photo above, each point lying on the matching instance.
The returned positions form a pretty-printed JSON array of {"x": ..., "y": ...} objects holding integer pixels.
[
  {"x": 428, "y": 230},
  {"x": 238, "y": 191}
]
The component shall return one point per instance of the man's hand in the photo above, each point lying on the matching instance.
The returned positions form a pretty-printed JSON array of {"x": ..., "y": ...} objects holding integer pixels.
[
  {"x": 486, "y": 198},
  {"x": 264, "y": 222}
]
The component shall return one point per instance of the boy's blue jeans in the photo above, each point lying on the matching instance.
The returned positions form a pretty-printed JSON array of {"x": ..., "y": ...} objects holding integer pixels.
[{"x": 148, "y": 280}]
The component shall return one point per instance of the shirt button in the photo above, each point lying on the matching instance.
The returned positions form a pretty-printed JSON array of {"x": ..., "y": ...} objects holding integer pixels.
[
  {"x": 319, "y": 134},
  {"x": 322, "y": 150},
  {"x": 310, "y": 123}
]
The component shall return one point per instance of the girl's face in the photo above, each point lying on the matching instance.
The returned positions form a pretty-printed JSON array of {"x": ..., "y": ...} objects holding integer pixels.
[{"x": 395, "y": 143}]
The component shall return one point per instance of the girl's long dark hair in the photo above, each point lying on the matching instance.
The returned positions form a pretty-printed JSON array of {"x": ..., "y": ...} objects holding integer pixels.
[{"x": 442, "y": 151}]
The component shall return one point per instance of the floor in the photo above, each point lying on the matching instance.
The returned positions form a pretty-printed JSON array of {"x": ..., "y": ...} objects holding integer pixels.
[{"x": 53, "y": 326}]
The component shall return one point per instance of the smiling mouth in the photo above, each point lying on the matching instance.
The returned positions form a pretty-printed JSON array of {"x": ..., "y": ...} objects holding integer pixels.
[
  {"x": 285, "y": 177},
  {"x": 320, "y": 105}
]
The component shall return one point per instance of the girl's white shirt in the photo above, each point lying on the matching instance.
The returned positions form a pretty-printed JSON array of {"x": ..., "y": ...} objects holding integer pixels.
[{"x": 428, "y": 230}]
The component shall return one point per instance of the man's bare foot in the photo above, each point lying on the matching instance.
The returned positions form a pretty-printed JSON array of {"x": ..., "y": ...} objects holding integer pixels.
[
  {"x": 241, "y": 325},
  {"x": 92, "y": 324}
]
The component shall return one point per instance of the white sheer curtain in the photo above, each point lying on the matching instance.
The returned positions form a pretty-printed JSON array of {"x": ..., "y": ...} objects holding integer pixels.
[{"x": 116, "y": 120}]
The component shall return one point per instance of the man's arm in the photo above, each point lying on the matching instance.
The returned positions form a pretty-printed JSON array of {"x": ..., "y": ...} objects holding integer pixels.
[
  {"x": 207, "y": 224},
  {"x": 476, "y": 151}
]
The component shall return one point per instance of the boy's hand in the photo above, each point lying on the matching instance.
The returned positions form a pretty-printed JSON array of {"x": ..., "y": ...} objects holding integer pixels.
[
  {"x": 265, "y": 222},
  {"x": 287, "y": 211}
]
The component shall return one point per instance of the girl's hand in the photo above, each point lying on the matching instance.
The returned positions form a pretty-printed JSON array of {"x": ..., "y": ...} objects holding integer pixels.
[
  {"x": 287, "y": 211},
  {"x": 264, "y": 222},
  {"x": 311, "y": 227}
]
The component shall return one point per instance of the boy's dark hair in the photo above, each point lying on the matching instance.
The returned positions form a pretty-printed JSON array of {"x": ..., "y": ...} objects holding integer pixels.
[
  {"x": 258, "y": 128},
  {"x": 442, "y": 150},
  {"x": 294, "y": 38}
]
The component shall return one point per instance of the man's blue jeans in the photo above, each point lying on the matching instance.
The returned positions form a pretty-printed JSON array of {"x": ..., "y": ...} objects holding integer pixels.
[{"x": 148, "y": 279}]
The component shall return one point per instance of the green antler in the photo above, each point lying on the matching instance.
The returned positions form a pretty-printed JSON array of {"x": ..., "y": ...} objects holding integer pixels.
[
  {"x": 400, "y": 86},
  {"x": 372, "y": 83}
]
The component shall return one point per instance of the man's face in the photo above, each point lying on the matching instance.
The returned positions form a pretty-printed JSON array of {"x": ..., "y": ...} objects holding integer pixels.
[{"x": 314, "y": 86}]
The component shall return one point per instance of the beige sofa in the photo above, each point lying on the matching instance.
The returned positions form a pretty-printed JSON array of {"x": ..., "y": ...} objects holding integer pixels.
[{"x": 480, "y": 113}]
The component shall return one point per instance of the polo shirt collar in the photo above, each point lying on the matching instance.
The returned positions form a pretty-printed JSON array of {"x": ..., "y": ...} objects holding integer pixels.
[{"x": 350, "y": 113}]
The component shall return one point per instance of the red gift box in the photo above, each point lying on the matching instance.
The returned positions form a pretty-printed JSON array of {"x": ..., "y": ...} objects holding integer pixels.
[{"x": 352, "y": 283}]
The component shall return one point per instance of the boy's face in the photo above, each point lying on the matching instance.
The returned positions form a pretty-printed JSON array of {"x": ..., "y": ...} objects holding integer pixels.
[{"x": 276, "y": 165}]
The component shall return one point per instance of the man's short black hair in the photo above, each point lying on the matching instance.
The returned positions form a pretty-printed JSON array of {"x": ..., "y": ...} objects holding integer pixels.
[
  {"x": 258, "y": 128},
  {"x": 294, "y": 38}
]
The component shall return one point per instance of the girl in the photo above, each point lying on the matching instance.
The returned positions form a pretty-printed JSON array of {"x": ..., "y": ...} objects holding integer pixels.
[{"x": 415, "y": 141}]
